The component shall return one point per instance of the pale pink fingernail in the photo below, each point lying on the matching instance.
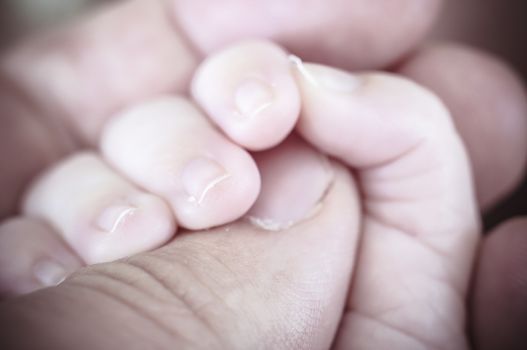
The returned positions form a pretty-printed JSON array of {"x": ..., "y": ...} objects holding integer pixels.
[
  {"x": 113, "y": 217},
  {"x": 253, "y": 96},
  {"x": 200, "y": 176},
  {"x": 49, "y": 273}
]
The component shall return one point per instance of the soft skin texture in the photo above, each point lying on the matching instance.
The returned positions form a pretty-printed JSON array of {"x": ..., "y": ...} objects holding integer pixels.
[
  {"x": 234, "y": 287},
  {"x": 344, "y": 33},
  {"x": 76, "y": 77},
  {"x": 170, "y": 148},
  {"x": 420, "y": 223},
  {"x": 249, "y": 92},
  {"x": 96, "y": 79},
  {"x": 100, "y": 214},
  {"x": 516, "y": 266},
  {"x": 163, "y": 163}
]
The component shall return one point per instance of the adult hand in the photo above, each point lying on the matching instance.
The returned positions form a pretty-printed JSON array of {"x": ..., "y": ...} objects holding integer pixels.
[{"x": 35, "y": 86}]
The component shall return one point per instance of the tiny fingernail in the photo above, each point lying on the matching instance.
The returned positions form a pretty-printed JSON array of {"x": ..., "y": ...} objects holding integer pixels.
[
  {"x": 113, "y": 217},
  {"x": 253, "y": 96},
  {"x": 200, "y": 176},
  {"x": 49, "y": 273},
  {"x": 326, "y": 77}
]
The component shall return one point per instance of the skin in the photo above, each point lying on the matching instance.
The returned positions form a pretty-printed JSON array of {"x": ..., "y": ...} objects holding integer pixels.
[
  {"x": 429, "y": 154},
  {"x": 476, "y": 171}
]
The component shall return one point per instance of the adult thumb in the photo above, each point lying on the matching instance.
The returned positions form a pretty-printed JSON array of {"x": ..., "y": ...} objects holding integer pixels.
[{"x": 277, "y": 279}]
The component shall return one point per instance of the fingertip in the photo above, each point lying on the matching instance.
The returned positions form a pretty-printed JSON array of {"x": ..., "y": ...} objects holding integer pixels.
[
  {"x": 168, "y": 147},
  {"x": 100, "y": 214},
  {"x": 238, "y": 184},
  {"x": 32, "y": 256},
  {"x": 141, "y": 224},
  {"x": 248, "y": 90},
  {"x": 366, "y": 119}
]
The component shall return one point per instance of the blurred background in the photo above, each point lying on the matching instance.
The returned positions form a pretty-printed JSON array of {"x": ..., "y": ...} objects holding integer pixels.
[{"x": 498, "y": 26}]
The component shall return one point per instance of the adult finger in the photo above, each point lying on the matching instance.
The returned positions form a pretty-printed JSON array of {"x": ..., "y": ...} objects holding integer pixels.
[
  {"x": 234, "y": 287},
  {"x": 249, "y": 91}
]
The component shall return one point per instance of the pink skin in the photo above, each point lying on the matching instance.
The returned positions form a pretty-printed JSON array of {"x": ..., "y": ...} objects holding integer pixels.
[
  {"x": 506, "y": 80},
  {"x": 169, "y": 148},
  {"x": 84, "y": 49},
  {"x": 238, "y": 286},
  {"x": 46, "y": 257},
  {"x": 420, "y": 223},
  {"x": 101, "y": 216},
  {"x": 500, "y": 168},
  {"x": 413, "y": 174},
  {"x": 249, "y": 92},
  {"x": 77, "y": 77},
  {"x": 338, "y": 32}
]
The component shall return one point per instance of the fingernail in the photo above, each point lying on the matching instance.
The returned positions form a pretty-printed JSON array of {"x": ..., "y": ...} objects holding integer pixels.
[
  {"x": 295, "y": 179},
  {"x": 253, "y": 96},
  {"x": 113, "y": 217},
  {"x": 200, "y": 176},
  {"x": 49, "y": 273},
  {"x": 325, "y": 77}
]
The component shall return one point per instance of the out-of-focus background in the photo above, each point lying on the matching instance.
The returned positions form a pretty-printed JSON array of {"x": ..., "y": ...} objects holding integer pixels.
[
  {"x": 19, "y": 17},
  {"x": 498, "y": 26}
]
